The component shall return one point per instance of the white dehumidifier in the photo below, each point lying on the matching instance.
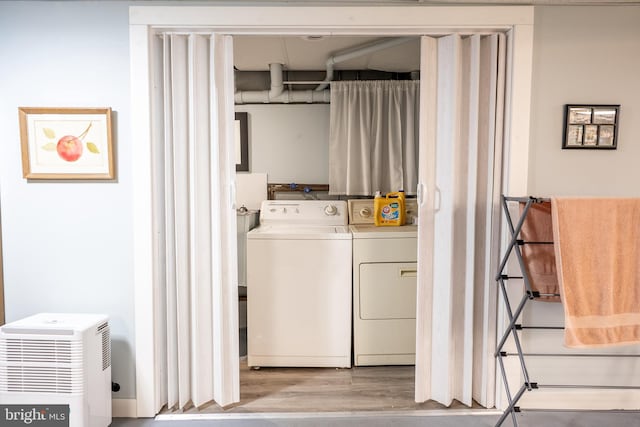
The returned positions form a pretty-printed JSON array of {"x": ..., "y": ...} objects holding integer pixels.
[{"x": 58, "y": 359}]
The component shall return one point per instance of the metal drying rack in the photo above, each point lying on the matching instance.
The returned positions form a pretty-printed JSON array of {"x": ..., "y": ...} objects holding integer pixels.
[{"x": 514, "y": 246}]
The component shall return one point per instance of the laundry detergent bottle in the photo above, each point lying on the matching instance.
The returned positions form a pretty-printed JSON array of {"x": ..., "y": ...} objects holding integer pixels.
[{"x": 389, "y": 210}]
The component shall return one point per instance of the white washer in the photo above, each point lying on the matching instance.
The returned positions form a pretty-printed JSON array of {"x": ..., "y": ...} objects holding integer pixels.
[
  {"x": 299, "y": 285},
  {"x": 384, "y": 287}
]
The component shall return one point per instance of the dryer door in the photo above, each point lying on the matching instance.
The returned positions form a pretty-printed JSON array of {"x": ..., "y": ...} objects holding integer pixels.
[{"x": 388, "y": 290}]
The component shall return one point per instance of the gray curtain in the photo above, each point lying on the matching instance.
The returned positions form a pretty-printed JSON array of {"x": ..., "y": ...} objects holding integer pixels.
[{"x": 373, "y": 140}]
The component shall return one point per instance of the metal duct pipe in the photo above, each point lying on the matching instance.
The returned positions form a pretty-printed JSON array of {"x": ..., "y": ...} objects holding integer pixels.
[
  {"x": 277, "y": 94},
  {"x": 286, "y": 97},
  {"x": 354, "y": 53}
]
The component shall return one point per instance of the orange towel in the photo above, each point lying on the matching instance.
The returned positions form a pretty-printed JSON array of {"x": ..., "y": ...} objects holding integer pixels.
[
  {"x": 597, "y": 244},
  {"x": 540, "y": 260}
]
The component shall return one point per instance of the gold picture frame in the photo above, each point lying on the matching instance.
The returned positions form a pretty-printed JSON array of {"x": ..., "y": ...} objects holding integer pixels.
[{"x": 66, "y": 143}]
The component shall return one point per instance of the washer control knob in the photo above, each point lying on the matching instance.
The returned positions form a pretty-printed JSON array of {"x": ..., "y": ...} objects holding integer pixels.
[
  {"x": 365, "y": 212},
  {"x": 330, "y": 210}
]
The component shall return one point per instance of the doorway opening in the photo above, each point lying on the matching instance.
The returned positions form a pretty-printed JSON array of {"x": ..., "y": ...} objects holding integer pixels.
[
  {"x": 149, "y": 380},
  {"x": 282, "y": 84},
  {"x": 460, "y": 163}
]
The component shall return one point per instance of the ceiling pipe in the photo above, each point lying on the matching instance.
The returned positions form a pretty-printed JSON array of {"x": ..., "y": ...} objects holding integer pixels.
[
  {"x": 275, "y": 70},
  {"x": 277, "y": 94},
  {"x": 359, "y": 51}
]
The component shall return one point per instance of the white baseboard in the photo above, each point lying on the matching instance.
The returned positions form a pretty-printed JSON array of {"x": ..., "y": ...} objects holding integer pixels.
[
  {"x": 582, "y": 399},
  {"x": 124, "y": 408},
  {"x": 261, "y": 416}
]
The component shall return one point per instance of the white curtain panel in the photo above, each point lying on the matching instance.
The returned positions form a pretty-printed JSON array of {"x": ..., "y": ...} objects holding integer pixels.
[
  {"x": 373, "y": 139},
  {"x": 459, "y": 130},
  {"x": 194, "y": 164}
]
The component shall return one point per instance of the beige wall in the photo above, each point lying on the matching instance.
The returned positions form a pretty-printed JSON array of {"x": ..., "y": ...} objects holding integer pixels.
[
  {"x": 582, "y": 55},
  {"x": 585, "y": 55}
]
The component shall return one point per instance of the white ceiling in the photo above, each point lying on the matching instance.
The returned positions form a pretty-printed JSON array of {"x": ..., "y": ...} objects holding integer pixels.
[{"x": 301, "y": 53}]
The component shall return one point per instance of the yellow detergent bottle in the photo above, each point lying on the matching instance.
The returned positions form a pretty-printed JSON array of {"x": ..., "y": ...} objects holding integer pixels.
[
  {"x": 404, "y": 206},
  {"x": 389, "y": 210}
]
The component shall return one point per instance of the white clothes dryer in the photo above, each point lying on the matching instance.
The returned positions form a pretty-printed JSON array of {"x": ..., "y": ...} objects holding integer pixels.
[
  {"x": 384, "y": 287},
  {"x": 299, "y": 285}
]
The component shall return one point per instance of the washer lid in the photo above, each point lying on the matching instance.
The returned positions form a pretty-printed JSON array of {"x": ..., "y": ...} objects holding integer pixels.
[
  {"x": 388, "y": 232},
  {"x": 284, "y": 232}
]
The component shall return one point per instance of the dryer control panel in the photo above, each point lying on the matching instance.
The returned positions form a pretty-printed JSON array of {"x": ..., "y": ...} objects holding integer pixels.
[{"x": 361, "y": 211}]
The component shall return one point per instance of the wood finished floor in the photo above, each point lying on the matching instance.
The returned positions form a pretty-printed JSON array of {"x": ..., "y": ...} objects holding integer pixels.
[{"x": 375, "y": 388}]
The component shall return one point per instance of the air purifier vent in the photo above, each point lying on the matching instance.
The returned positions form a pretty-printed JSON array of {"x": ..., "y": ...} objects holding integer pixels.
[
  {"x": 41, "y": 379},
  {"x": 106, "y": 345},
  {"x": 40, "y": 351}
]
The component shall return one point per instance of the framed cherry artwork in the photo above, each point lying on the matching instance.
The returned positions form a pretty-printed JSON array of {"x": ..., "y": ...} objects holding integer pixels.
[{"x": 66, "y": 143}]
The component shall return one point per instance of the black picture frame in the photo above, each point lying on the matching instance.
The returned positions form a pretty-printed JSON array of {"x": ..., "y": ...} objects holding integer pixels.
[
  {"x": 591, "y": 126},
  {"x": 242, "y": 142}
]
